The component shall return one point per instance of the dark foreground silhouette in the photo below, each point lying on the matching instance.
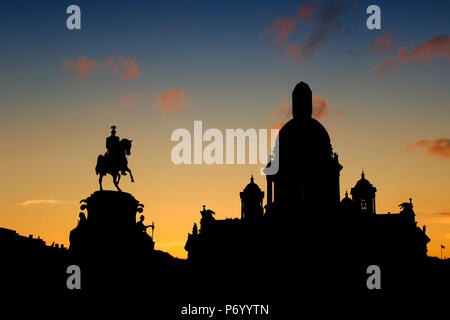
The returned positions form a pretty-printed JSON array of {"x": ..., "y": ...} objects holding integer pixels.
[{"x": 305, "y": 247}]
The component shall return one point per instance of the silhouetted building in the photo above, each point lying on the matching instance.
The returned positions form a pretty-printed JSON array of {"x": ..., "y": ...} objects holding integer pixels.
[
  {"x": 363, "y": 194},
  {"x": 305, "y": 216},
  {"x": 348, "y": 207},
  {"x": 252, "y": 201},
  {"x": 28, "y": 263},
  {"x": 226, "y": 241},
  {"x": 391, "y": 236},
  {"x": 308, "y": 175}
]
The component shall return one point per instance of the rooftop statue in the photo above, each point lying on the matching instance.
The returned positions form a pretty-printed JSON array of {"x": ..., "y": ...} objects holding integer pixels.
[{"x": 115, "y": 160}]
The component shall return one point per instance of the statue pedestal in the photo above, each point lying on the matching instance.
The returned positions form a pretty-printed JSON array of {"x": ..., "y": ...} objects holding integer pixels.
[
  {"x": 110, "y": 227},
  {"x": 112, "y": 212}
]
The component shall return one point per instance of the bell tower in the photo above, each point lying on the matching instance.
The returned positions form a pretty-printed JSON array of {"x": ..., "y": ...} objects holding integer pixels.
[
  {"x": 363, "y": 194},
  {"x": 251, "y": 201}
]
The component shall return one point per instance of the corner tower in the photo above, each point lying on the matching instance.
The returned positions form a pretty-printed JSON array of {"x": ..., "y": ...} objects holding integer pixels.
[
  {"x": 251, "y": 201},
  {"x": 363, "y": 194}
]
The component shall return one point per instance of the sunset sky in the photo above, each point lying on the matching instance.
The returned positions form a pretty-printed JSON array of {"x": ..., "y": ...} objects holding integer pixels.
[{"x": 150, "y": 67}]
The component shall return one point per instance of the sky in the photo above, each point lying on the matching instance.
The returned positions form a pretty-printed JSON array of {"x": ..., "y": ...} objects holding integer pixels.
[{"x": 150, "y": 67}]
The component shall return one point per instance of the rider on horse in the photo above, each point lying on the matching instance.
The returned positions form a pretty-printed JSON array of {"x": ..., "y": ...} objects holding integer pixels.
[
  {"x": 114, "y": 161},
  {"x": 113, "y": 156}
]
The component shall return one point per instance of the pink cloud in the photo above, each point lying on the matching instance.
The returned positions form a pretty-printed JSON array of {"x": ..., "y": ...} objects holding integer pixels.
[
  {"x": 282, "y": 28},
  {"x": 382, "y": 43},
  {"x": 320, "y": 107},
  {"x": 172, "y": 100},
  {"x": 279, "y": 118},
  {"x": 437, "y": 147},
  {"x": 438, "y": 46},
  {"x": 322, "y": 20},
  {"x": 127, "y": 68},
  {"x": 295, "y": 51},
  {"x": 81, "y": 66},
  {"x": 305, "y": 11},
  {"x": 283, "y": 112}
]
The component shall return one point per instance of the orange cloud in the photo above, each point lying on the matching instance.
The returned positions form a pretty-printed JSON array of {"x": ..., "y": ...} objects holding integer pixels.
[
  {"x": 295, "y": 51},
  {"x": 127, "y": 68},
  {"x": 172, "y": 100},
  {"x": 279, "y": 118},
  {"x": 284, "y": 111},
  {"x": 305, "y": 11},
  {"x": 281, "y": 115},
  {"x": 438, "y": 147},
  {"x": 383, "y": 43},
  {"x": 322, "y": 20},
  {"x": 438, "y": 46},
  {"x": 320, "y": 107},
  {"x": 282, "y": 28},
  {"x": 81, "y": 66}
]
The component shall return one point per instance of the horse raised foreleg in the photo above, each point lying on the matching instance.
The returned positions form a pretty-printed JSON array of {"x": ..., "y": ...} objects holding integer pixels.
[{"x": 131, "y": 175}]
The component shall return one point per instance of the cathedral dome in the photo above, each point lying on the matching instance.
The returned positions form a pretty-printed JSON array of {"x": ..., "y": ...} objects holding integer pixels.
[
  {"x": 314, "y": 129},
  {"x": 307, "y": 136},
  {"x": 303, "y": 142}
]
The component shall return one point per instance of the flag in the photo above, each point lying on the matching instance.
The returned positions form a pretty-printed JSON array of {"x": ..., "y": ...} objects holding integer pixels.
[{"x": 442, "y": 246}]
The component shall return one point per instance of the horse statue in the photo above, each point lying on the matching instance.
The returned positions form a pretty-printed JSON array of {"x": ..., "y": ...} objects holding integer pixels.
[{"x": 115, "y": 163}]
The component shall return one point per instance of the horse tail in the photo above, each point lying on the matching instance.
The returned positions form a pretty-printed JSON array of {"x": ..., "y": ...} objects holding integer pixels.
[{"x": 99, "y": 164}]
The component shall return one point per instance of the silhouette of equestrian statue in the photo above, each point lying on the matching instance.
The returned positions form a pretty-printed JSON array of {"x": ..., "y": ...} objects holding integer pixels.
[{"x": 115, "y": 160}]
